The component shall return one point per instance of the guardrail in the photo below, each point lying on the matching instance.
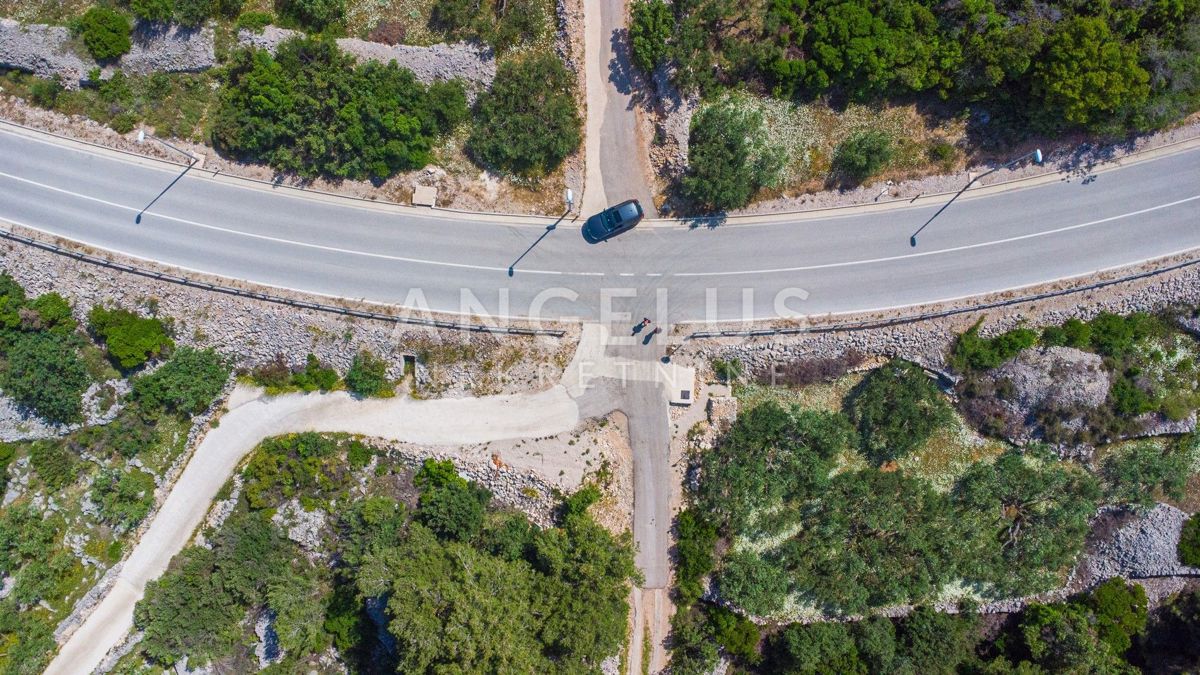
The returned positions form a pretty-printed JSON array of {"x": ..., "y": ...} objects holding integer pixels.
[
  {"x": 925, "y": 316},
  {"x": 266, "y": 297}
]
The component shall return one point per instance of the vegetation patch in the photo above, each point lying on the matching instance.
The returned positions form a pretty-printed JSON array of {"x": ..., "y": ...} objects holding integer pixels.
[{"x": 439, "y": 585}]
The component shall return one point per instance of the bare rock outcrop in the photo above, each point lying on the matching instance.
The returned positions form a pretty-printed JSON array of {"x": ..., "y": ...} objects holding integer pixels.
[
  {"x": 474, "y": 64},
  {"x": 47, "y": 51}
]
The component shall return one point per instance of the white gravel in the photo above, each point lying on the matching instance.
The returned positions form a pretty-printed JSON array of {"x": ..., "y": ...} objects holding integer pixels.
[{"x": 1145, "y": 547}]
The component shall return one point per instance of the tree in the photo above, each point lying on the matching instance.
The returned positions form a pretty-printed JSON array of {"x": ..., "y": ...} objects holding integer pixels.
[
  {"x": 454, "y": 511},
  {"x": 728, "y": 157},
  {"x": 45, "y": 373},
  {"x": 298, "y": 600},
  {"x": 367, "y": 375},
  {"x": 131, "y": 340},
  {"x": 193, "y": 12},
  {"x": 816, "y": 648},
  {"x": 737, "y": 634},
  {"x": 935, "y": 642},
  {"x": 862, "y": 155},
  {"x": 153, "y": 10},
  {"x": 124, "y": 497},
  {"x": 650, "y": 28},
  {"x": 187, "y": 383},
  {"x": 1032, "y": 519},
  {"x": 186, "y": 612},
  {"x": 312, "y": 110},
  {"x": 105, "y": 33},
  {"x": 896, "y": 409},
  {"x": 1062, "y": 638},
  {"x": 694, "y": 560},
  {"x": 527, "y": 123},
  {"x": 315, "y": 15},
  {"x": 1121, "y": 613},
  {"x": 1088, "y": 77},
  {"x": 753, "y": 583}
]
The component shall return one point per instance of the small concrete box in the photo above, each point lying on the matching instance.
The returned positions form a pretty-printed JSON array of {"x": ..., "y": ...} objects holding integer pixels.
[{"x": 424, "y": 195}]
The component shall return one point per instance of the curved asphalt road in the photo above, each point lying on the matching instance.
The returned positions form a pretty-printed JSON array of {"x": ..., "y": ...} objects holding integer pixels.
[{"x": 817, "y": 264}]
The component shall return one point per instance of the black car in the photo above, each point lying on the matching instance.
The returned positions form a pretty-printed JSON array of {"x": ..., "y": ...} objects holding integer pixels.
[{"x": 613, "y": 221}]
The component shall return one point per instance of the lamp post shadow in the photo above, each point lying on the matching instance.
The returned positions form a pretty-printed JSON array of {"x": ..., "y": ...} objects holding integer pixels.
[
  {"x": 1037, "y": 158},
  {"x": 138, "y": 219},
  {"x": 549, "y": 228}
]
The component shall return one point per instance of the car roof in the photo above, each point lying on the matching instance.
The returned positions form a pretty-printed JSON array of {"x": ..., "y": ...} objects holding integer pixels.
[{"x": 629, "y": 209}]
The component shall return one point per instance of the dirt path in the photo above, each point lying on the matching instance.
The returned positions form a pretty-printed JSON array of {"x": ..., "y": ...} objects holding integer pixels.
[{"x": 252, "y": 418}]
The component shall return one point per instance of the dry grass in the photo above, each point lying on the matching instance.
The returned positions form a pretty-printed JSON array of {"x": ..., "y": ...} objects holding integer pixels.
[
  {"x": 809, "y": 133},
  {"x": 43, "y": 11},
  {"x": 825, "y": 396},
  {"x": 363, "y": 15}
]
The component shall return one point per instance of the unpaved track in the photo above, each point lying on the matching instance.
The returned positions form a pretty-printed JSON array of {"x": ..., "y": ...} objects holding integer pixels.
[{"x": 444, "y": 421}]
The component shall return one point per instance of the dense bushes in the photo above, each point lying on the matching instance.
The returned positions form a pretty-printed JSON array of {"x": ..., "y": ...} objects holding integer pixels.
[
  {"x": 187, "y": 383},
  {"x": 1189, "y": 542},
  {"x": 277, "y": 376},
  {"x": 971, "y": 352},
  {"x": 311, "y": 110},
  {"x": 896, "y": 409},
  {"x": 862, "y": 155},
  {"x": 367, "y": 375},
  {"x": 728, "y": 157},
  {"x": 512, "y": 598},
  {"x": 105, "y": 33},
  {"x": 650, "y": 27},
  {"x": 124, "y": 497},
  {"x": 313, "y": 15},
  {"x": 45, "y": 373},
  {"x": 527, "y": 124},
  {"x": 503, "y": 25},
  {"x": 1098, "y": 67},
  {"x": 131, "y": 340}
]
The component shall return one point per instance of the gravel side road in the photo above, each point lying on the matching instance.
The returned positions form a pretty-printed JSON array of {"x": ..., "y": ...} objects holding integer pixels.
[{"x": 249, "y": 420}]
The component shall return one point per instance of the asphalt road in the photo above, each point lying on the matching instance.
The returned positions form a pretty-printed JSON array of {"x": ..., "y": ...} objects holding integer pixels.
[{"x": 833, "y": 262}]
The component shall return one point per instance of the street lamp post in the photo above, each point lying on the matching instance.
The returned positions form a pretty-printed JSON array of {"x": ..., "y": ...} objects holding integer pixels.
[
  {"x": 1036, "y": 154},
  {"x": 141, "y": 138}
]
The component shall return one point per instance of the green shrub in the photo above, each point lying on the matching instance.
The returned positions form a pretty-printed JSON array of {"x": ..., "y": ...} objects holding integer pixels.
[
  {"x": 231, "y": 9},
  {"x": 896, "y": 409},
  {"x": 45, "y": 373},
  {"x": 193, "y": 12},
  {"x": 862, "y": 155},
  {"x": 737, "y": 634},
  {"x": 527, "y": 124},
  {"x": 438, "y": 473},
  {"x": 1121, "y": 613},
  {"x": 1114, "y": 336},
  {"x": 358, "y": 455},
  {"x": 44, "y": 93},
  {"x": 815, "y": 648},
  {"x": 728, "y": 157},
  {"x": 131, "y": 340},
  {"x": 695, "y": 538},
  {"x": 1138, "y": 475},
  {"x": 54, "y": 464},
  {"x": 254, "y": 22},
  {"x": 54, "y": 314},
  {"x": 1073, "y": 333},
  {"x": 454, "y": 512},
  {"x": 314, "y": 15},
  {"x": 519, "y": 22},
  {"x": 727, "y": 371},
  {"x": 971, "y": 352},
  {"x": 312, "y": 110},
  {"x": 153, "y": 10},
  {"x": 105, "y": 33},
  {"x": 124, "y": 497},
  {"x": 650, "y": 28},
  {"x": 1189, "y": 542},
  {"x": 367, "y": 375},
  {"x": 12, "y": 299},
  {"x": 187, "y": 383},
  {"x": 943, "y": 153}
]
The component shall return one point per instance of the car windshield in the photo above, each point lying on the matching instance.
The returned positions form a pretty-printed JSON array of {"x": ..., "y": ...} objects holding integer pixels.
[{"x": 612, "y": 219}]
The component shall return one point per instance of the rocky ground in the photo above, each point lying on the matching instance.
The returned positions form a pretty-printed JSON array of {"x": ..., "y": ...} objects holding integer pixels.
[
  {"x": 474, "y": 65},
  {"x": 252, "y": 332},
  {"x": 48, "y": 51}
]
